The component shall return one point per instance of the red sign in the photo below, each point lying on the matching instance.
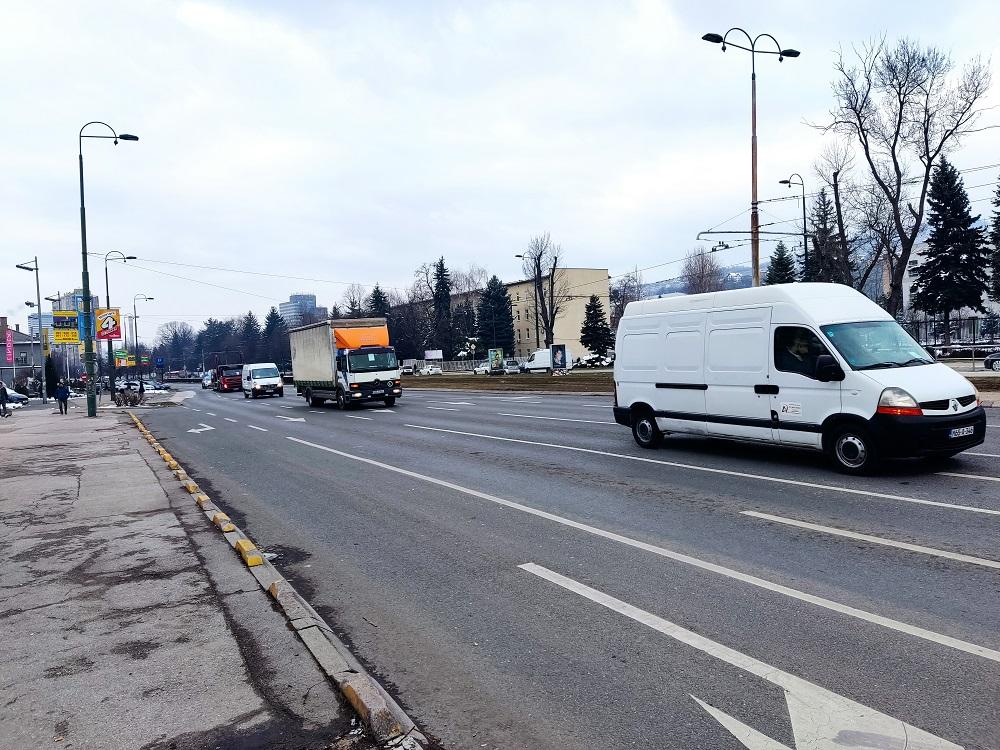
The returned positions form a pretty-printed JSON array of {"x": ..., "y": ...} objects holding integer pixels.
[{"x": 10, "y": 346}]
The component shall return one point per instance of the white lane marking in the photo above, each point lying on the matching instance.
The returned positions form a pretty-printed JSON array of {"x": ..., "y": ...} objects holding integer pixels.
[
  {"x": 452, "y": 403},
  {"x": 355, "y": 416},
  {"x": 383, "y": 411},
  {"x": 595, "y": 406},
  {"x": 875, "y": 539},
  {"x": 984, "y": 455},
  {"x": 289, "y": 419},
  {"x": 724, "y": 472},
  {"x": 204, "y": 428},
  {"x": 228, "y": 419},
  {"x": 193, "y": 409},
  {"x": 819, "y": 717},
  {"x": 442, "y": 408},
  {"x": 255, "y": 427},
  {"x": 554, "y": 419},
  {"x": 967, "y": 476},
  {"x": 283, "y": 406},
  {"x": 902, "y": 627},
  {"x": 311, "y": 411},
  {"x": 211, "y": 414}
]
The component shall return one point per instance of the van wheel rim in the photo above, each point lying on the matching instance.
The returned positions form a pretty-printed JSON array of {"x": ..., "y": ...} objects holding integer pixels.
[
  {"x": 851, "y": 451},
  {"x": 645, "y": 430}
]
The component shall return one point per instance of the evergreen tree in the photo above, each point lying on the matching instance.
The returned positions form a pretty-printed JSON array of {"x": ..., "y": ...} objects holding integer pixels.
[
  {"x": 953, "y": 272},
  {"x": 596, "y": 334},
  {"x": 464, "y": 324},
  {"x": 494, "y": 319},
  {"x": 781, "y": 269},
  {"x": 378, "y": 303},
  {"x": 51, "y": 378},
  {"x": 823, "y": 241},
  {"x": 250, "y": 337},
  {"x": 994, "y": 237},
  {"x": 276, "y": 346},
  {"x": 335, "y": 312},
  {"x": 443, "y": 333}
]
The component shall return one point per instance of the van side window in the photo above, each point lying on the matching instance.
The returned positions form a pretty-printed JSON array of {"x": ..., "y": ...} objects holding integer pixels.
[{"x": 796, "y": 350}]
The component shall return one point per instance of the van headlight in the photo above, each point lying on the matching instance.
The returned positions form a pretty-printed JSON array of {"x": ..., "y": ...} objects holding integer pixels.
[{"x": 898, "y": 403}]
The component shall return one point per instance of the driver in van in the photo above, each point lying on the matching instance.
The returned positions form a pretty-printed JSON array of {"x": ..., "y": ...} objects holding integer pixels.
[{"x": 797, "y": 355}]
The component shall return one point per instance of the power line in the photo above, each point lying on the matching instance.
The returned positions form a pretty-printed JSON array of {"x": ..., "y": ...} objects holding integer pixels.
[{"x": 206, "y": 283}]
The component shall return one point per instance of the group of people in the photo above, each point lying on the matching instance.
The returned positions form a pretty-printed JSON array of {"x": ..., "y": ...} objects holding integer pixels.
[{"x": 61, "y": 395}]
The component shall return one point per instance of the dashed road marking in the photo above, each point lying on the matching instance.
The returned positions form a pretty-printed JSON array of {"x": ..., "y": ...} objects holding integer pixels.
[
  {"x": 967, "y": 476},
  {"x": 554, "y": 419},
  {"x": 255, "y": 427},
  {"x": 356, "y": 416},
  {"x": 228, "y": 419},
  {"x": 211, "y": 414},
  {"x": 442, "y": 408},
  {"x": 983, "y": 455}
]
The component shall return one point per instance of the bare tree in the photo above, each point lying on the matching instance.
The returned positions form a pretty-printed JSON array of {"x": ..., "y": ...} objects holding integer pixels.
[
  {"x": 624, "y": 289},
  {"x": 833, "y": 168},
  {"x": 701, "y": 272},
  {"x": 470, "y": 280},
  {"x": 354, "y": 300},
  {"x": 903, "y": 108},
  {"x": 540, "y": 262}
]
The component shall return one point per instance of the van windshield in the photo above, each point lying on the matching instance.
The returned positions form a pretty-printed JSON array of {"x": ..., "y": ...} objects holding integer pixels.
[
  {"x": 876, "y": 345},
  {"x": 265, "y": 372},
  {"x": 372, "y": 361}
]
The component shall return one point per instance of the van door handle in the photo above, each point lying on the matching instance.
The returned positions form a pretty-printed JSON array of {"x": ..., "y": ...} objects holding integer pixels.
[{"x": 765, "y": 390}]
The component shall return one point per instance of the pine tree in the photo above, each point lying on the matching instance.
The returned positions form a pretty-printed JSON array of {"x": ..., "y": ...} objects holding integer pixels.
[
  {"x": 250, "y": 337},
  {"x": 495, "y": 321},
  {"x": 823, "y": 221},
  {"x": 443, "y": 334},
  {"x": 378, "y": 303},
  {"x": 994, "y": 237},
  {"x": 596, "y": 334},
  {"x": 953, "y": 272},
  {"x": 335, "y": 312},
  {"x": 464, "y": 325},
  {"x": 276, "y": 344},
  {"x": 781, "y": 269}
]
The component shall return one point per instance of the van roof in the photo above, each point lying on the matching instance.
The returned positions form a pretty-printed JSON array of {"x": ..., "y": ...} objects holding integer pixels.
[{"x": 823, "y": 303}]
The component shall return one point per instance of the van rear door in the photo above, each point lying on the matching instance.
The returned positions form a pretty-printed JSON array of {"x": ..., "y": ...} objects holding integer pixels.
[{"x": 737, "y": 401}]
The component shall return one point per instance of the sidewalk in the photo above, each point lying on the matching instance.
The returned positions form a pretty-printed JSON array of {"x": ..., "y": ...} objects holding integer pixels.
[{"x": 128, "y": 621}]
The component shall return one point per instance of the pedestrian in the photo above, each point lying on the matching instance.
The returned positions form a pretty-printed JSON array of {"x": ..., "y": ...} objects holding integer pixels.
[
  {"x": 62, "y": 396},
  {"x": 4, "y": 412}
]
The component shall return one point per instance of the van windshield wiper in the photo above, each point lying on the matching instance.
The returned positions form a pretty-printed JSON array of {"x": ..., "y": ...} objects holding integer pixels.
[
  {"x": 916, "y": 361},
  {"x": 879, "y": 366}
]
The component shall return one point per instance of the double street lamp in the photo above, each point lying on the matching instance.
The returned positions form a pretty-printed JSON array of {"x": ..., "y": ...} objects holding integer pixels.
[
  {"x": 806, "y": 271},
  {"x": 88, "y": 312},
  {"x": 38, "y": 306},
  {"x": 752, "y": 49},
  {"x": 107, "y": 299}
]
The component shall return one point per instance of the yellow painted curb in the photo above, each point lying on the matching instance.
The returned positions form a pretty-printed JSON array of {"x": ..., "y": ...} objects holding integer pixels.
[
  {"x": 191, "y": 487},
  {"x": 173, "y": 465},
  {"x": 221, "y": 520},
  {"x": 166, "y": 456},
  {"x": 249, "y": 552},
  {"x": 180, "y": 474},
  {"x": 202, "y": 499}
]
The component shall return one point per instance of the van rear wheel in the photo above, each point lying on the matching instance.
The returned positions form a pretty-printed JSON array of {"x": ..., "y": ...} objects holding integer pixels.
[
  {"x": 645, "y": 431},
  {"x": 852, "y": 449}
]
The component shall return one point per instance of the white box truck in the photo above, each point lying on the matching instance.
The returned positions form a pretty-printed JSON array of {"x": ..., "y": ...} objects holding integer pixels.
[
  {"x": 346, "y": 361},
  {"x": 816, "y": 366}
]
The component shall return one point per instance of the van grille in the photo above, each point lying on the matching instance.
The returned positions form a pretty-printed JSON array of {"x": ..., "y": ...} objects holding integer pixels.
[
  {"x": 942, "y": 404},
  {"x": 966, "y": 400}
]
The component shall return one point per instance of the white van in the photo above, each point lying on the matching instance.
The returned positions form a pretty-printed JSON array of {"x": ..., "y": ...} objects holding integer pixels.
[
  {"x": 262, "y": 379},
  {"x": 541, "y": 361},
  {"x": 815, "y": 366}
]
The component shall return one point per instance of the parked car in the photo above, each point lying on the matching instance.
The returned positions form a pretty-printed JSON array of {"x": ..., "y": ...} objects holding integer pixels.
[
  {"x": 429, "y": 370},
  {"x": 992, "y": 362},
  {"x": 206, "y": 380},
  {"x": 483, "y": 369},
  {"x": 511, "y": 367},
  {"x": 16, "y": 399},
  {"x": 406, "y": 370}
]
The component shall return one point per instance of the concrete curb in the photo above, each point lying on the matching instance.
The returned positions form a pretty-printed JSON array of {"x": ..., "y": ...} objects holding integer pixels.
[{"x": 385, "y": 719}]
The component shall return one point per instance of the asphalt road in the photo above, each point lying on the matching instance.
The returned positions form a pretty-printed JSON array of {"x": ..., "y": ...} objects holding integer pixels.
[{"x": 521, "y": 575}]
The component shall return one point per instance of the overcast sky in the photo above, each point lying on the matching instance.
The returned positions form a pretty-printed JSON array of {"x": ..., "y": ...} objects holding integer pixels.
[{"x": 352, "y": 141}]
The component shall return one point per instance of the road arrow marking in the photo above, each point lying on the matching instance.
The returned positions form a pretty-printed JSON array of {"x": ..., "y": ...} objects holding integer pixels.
[
  {"x": 204, "y": 428},
  {"x": 820, "y": 718},
  {"x": 290, "y": 419}
]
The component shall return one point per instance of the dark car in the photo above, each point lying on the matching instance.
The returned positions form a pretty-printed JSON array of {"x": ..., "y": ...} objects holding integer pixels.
[{"x": 992, "y": 362}]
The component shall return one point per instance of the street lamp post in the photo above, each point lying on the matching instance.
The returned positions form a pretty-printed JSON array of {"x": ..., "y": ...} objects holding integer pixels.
[
  {"x": 806, "y": 271},
  {"x": 38, "y": 307},
  {"x": 752, "y": 49},
  {"x": 88, "y": 312},
  {"x": 135, "y": 332},
  {"x": 107, "y": 299}
]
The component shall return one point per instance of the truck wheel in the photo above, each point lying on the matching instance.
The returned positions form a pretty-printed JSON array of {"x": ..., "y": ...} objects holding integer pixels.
[
  {"x": 341, "y": 400},
  {"x": 391, "y": 401},
  {"x": 852, "y": 449},
  {"x": 645, "y": 431},
  {"x": 314, "y": 401}
]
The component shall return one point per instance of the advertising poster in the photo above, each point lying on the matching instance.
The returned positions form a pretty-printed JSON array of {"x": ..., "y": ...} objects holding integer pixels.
[
  {"x": 496, "y": 359},
  {"x": 45, "y": 342},
  {"x": 433, "y": 354},
  {"x": 64, "y": 327},
  {"x": 558, "y": 356},
  {"x": 10, "y": 347},
  {"x": 109, "y": 323}
]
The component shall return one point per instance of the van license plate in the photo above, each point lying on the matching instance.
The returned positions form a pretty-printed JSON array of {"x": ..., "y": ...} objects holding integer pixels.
[
  {"x": 382, "y": 393},
  {"x": 962, "y": 431}
]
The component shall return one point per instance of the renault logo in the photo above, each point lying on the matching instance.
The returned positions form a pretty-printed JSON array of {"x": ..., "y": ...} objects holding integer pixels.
[{"x": 954, "y": 405}]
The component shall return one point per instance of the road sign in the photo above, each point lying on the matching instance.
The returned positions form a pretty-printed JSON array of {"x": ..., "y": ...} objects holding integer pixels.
[
  {"x": 64, "y": 327},
  {"x": 144, "y": 359},
  {"x": 130, "y": 360},
  {"x": 109, "y": 323},
  {"x": 159, "y": 362}
]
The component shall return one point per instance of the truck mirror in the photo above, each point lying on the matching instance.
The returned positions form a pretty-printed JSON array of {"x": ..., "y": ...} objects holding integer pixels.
[{"x": 827, "y": 369}]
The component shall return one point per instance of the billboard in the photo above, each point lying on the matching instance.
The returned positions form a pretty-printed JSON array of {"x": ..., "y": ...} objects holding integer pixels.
[
  {"x": 433, "y": 354},
  {"x": 64, "y": 327},
  {"x": 558, "y": 356},
  {"x": 109, "y": 323}
]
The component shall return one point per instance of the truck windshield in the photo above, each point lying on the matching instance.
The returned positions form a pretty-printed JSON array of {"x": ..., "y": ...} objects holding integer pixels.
[
  {"x": 875, "y": 345},
  {"x": 265, "y": 372},
  {"x": 372, "y": 361},
  {"x": 227, "y": 373}
]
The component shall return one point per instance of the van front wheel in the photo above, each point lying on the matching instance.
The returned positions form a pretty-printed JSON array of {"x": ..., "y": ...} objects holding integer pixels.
[
  {"x": 853, "y": 449},
  {"x": 645, "y": 431}
]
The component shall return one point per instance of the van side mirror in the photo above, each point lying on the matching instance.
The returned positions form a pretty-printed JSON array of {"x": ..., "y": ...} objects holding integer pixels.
[{"x": 827, "y": 369}]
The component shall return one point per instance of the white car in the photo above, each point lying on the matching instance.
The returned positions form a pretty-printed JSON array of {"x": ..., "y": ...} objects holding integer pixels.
[
  {"x": 429, "y": 370},
  {"x": 483, "y": 369}
]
